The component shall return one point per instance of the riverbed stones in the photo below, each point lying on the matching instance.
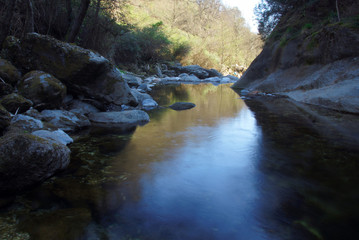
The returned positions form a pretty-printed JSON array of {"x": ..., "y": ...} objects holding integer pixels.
[
  {"x": 43, "y": 89},
  {"x": 26, "y": 160},
  {"x": 58, "y": 136},
  {"x": 15, "y": 103},
  {"x": 65, "y": 120},
  {"x": 130, "y": 117},
  {"x": 57, "y": 224},
  {"x": 178, "y": 106},
  {"x": 26, "y": 123},
  {"x": 81, "y": 107}
]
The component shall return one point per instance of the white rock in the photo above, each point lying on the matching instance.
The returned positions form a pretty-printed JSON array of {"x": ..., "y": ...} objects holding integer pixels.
[{"x": 57, "y": 136}]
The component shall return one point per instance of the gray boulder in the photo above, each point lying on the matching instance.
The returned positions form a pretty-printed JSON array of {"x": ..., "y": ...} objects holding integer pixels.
[
  {"x": 109, "y": 119},
  {"x": 15, "y": 102},
  {"x": 149, "y": 104},
  {"x": 178, "y": 106},
  {"x": 26, "y": 123},
  {"x": 81, "y": 70},
  {"x": 140, "y": 96},
  {"x": 193, "y": 69},
  {"x": 26, "y": 160},
  {"x": 58, "y": 136},
  {"x": 9, "y": 73},
  {"x": 131, "y": 80},
  {"x": 188, "y": 78},
  {"x": 65, "y": 120},
  {"x": 83, "y": 108},
  {"x": 213, "y": 79},
  {"x": 43, "y": 89},
  {"x": 213, "y": 73}
]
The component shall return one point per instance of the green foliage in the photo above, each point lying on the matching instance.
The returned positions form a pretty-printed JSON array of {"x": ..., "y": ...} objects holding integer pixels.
[{"x": 148, "y": 44}]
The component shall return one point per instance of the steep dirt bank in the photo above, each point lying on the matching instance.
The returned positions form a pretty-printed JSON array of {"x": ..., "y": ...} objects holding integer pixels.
[{"x": 312, "y": 58}]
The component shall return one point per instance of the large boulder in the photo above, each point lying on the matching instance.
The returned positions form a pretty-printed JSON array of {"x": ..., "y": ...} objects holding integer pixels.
[
  {"x": 110, "y": 119},
  {"x": 43, "y": 89},
  {"x": 15, "y": 103},
  {"x": 26, "y": 160},
  {"x": 4, "y": 119},
  {"x": 65, "y": 120},
  {"x": 81, "y": 70},
  {"x": 9, "y": 73}
]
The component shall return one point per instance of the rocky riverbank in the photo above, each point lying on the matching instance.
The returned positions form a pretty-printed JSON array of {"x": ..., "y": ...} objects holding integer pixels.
[
  {"x": 49, "y": 89},
  {"x": 312, "y": 59}
]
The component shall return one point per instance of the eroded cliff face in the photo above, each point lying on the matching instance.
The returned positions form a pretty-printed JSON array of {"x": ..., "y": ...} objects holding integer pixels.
[{"x": 311, "y": 58}]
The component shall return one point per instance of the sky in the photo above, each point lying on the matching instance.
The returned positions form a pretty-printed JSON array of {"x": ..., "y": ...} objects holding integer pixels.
[{"x": 246, "y": 7}]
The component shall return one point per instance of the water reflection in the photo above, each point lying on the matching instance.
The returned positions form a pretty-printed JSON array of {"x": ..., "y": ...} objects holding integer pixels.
[{"x": 218, "y": 171}]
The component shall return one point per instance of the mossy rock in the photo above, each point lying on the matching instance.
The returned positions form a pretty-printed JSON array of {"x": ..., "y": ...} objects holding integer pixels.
[
  {"x": 4, "y": 119},
  {"x": 15, "y": 102},
  {"x": 57, "y": 224},
  {"x": 43, "y": 89},
  {"x": 82, "y": 71},
  {"x": 26, "y": 160},
  {"x": 5, "y": 88},
  {"x": 9, "y": 73}
]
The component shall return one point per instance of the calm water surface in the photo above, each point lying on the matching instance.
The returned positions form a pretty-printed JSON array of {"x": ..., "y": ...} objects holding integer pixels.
[{"x": 221, "y": 170}]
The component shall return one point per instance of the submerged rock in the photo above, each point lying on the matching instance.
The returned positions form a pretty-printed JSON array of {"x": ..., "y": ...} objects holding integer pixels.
[
  {"x": 43, "y": 89},
  {"x": 182, "y": 106},
  {"x": 58, "y": 224},
  {"x": 130, "y": 117},
  {"x": 15, "y": 103},
  {"x": 26, "y": 160}
]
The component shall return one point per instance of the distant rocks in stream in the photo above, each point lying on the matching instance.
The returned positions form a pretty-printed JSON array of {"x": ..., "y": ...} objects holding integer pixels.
[
  {"x": 178, "y": 106},
  {"x": 49, "y": 89}
]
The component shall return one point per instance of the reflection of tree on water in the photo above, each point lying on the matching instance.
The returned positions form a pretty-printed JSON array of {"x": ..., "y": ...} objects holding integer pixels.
[
  {"x": 107, "y": 166},
  {"x": 311, "y": 180}
]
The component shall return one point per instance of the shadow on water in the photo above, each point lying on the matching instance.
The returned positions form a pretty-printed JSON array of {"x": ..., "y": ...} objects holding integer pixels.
[
  {"x": 275, "y": 170},
  {"x": 311, "y": 155}
]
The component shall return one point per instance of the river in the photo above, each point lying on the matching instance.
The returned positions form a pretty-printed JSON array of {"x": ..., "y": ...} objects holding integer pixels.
[{"x": 226, "y": 169}]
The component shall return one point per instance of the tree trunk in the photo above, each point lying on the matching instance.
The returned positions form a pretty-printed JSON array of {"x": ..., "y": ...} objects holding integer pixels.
[
  {"x": 76, "y": 25},
  {"x": 6, "y": 20},
  {"x": 69, "y": 14},
  {"x": 29, "y": 25},
  {"x": 337, "y": 7}
]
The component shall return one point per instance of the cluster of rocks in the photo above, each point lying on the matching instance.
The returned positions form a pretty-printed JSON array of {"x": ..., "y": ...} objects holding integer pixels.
[
  {"x": 168, "y": 74},
  {"x": 49, "y": 88}
]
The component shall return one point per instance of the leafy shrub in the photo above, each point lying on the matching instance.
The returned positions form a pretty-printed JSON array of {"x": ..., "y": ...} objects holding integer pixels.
[{"x": 149, "y": 44}]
